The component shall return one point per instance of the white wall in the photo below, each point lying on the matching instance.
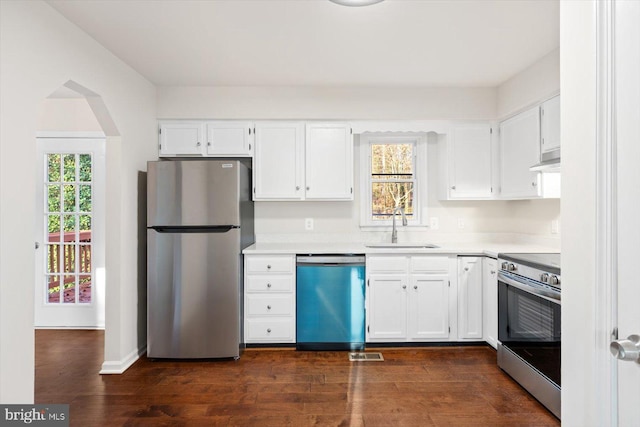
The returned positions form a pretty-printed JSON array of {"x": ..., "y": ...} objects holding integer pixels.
[
  {"x": 40, "y": 51},
  {"x": 68, "y": 114},
  {"x": 578, "y": 103},
  {"x": 539, "y": 81},
  {"x": 326, "y": 103}
]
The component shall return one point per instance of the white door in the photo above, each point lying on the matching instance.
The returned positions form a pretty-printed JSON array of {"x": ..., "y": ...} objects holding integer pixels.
[
  {"x": 229, "y": 138},
  {"x": 470, "y": 298},
  {"x": 490, "y": 301},
  {"x": 181, "y": 138},
  {"x": 627, "y": 133},
  {"x": 70, "y": 233},
  {"x": 278, "y": 163},
  {"x": 387, "y": 308},
  {"x": 329, "y": 161},
  {"x": 428, "y": 307},
  {"x": 470, "y": 162}
]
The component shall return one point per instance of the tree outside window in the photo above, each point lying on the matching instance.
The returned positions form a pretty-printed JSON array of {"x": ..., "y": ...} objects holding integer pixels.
[{"x": 392, "y": 179}]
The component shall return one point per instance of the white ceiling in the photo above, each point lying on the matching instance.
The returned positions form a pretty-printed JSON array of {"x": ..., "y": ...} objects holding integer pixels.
[{"x": 316, "y": 42}]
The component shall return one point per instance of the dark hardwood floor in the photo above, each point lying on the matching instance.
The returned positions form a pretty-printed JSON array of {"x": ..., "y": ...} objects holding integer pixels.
[{"x": 413, "y": 387}]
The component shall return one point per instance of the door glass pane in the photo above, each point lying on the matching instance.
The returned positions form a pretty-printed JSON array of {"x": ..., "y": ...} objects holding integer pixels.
[
  {"x": 85, "y": 288},
  {"x": 53, "y": 198},
  {"x": 85, "y": 198},
  {"x": 85, "y": 167},
  {"x": 85, "y": 228},
  {"x": 69, "y": 198},
  {"x": 53, "y": 259},
  {"x": 69, "y": 228},
  {"x": 84, "y": 258},
  {"x": 53, "y": 289},
  {"x": 69, "y": 289},
  {"x": 69, "y": 167},
  {"x": 53, "y": 167},
  {"x": 53, "y": 227},
  {"x": 69, "y": 258}
]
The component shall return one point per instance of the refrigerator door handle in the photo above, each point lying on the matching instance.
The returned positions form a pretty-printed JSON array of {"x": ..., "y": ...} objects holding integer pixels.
[{"x": 195, "y": 229}]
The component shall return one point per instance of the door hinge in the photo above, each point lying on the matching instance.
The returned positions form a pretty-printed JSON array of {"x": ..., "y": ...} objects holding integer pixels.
[
  {"x": 160, "y": 131},
  {"x": 254, "y": 130},
  {"x": 249, "y": 147},
  {"x": 449, "y": 329},
  {"x": 351, "y": 190},
  {"x": 351, "y": 131},
  {"x": 249, "y": 131},
  {"x": 614, "y": 333},
  {"x": 542, "y": 141},
  {"x": 449, "y": 283},
  {"x": 490, "y": 131},
  {"x": 492, "y": 189},
  {"x": 368, "y": 328},
  {"x": 367, "y": 282},
  {"x": 160, "y": 146},
  {"x": 254, "y": 190}
]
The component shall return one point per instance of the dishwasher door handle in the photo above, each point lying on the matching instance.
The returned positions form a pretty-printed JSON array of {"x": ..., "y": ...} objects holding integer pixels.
[{"x": 330, "y": 260}]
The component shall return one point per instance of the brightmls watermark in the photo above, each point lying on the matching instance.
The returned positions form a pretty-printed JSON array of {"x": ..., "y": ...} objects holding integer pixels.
[{"x": 38, "y": 415}]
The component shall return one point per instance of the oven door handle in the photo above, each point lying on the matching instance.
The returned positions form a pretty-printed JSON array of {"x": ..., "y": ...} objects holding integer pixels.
[{"x": 542, "y": 293}]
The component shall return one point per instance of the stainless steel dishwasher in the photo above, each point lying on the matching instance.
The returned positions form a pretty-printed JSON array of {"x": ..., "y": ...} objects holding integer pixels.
[{"x": 330, "y": 312}]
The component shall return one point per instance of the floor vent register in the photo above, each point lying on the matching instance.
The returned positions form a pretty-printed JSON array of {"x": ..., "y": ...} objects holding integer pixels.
[{"x": 365, "y": 357}]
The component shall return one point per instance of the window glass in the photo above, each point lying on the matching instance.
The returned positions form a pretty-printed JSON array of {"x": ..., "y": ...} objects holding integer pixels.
[{"x": 392, "y": 179}]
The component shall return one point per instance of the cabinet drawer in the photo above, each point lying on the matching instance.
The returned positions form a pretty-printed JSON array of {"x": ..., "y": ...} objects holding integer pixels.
[
  {"x": 269, "y": 283},
  {"x": 387, "y": 264},
  {"x": 270, "y": 330},
  {"x": 269, "y": 264},
  {"x": 269, "y": 305},
  {"x": 430, "y": 264}
]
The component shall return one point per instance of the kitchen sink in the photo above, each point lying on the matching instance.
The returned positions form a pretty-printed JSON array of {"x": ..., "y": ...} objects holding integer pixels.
[{"x": 402, "y": 246}]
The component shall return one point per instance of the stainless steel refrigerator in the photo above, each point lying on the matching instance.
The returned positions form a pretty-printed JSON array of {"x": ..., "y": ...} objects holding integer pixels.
[{"x": 199, "y": 218}]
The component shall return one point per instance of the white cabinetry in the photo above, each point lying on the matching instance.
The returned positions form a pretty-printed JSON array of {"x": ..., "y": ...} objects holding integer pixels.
[
  {"x": 467, "y": 166},
  {"x": 290, "y": 164},
  {"x": 470, "y": 298},
  {"x": 490, "y": 301},
  {"x": 179, "y": 138},
  {"x": 519, "y": 150},
  {"x": 550, "y": 127},
  {"x": 329, "y": 162},
  {"x": 229, "y": 138},
  {"x": 408, "y": 298},
  {"x": 278, "y": 168},
  {"x": 269, "y": 299}
]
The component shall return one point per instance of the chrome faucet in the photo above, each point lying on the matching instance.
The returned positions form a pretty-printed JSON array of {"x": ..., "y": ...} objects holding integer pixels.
[{"x": 394, "y": 232}]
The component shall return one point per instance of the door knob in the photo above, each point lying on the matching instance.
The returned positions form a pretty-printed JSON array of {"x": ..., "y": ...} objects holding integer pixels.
[{"x": 628, "y": 349}]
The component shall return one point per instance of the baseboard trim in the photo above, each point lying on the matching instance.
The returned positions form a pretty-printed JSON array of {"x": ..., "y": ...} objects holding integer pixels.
[{"x": 110, "y": 367}]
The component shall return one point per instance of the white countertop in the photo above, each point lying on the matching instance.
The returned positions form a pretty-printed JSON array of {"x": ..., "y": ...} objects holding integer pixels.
[{"x": 472, "y": 248}]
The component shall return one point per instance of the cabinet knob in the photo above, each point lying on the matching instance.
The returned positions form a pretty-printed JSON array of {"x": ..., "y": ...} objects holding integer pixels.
[
  {"x": 404, "y": 286},
  {"x": 533, "y": 184},
  {"x": 297, "y": 187},
  {"x": 198, "y": 144},
  {"x": 268, "y": 307},
  {"x": 268, "y": 266},
  {"x": 466, "y": 269},
  {"x": 269, "y": 330},
  {"x": 268, "y": 285},
  {"x": 493, "y": 272},
  {"x": 453, "y": 187},
  {"x": 307, "y": 188},
  {"x": 415, "y": 287}
]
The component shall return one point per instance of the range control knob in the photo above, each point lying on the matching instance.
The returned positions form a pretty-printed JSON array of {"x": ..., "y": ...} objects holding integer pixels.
[
  {"x": 544, "y": 277},
  {"x": 504, "y": 265},
  {"x": 554, "y": 280},
  {"x": 512, "y": 267}
]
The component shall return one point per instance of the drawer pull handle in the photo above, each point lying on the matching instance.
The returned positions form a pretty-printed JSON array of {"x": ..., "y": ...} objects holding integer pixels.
[
  {"x": 268, "y": 307},
  {"x": 268, "y": 285},
  {"x": 268, "y": 266},
  {"x": 269, "y": 330}
]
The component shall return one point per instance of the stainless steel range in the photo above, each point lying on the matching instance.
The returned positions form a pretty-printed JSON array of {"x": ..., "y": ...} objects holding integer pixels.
[{"x": 529, "y": 287}]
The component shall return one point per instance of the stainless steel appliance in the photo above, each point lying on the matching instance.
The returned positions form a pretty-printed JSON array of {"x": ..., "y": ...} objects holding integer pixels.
[
  {"x": 199, "y": 218},
  {"x": 529, "y": 287},
  {"x": 330, "y": 302}
]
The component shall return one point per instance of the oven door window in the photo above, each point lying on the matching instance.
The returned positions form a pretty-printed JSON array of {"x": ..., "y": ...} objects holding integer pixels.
[{"x": 529, "y": 326}]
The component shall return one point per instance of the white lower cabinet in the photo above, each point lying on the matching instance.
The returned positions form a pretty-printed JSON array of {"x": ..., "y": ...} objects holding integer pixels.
[
  {"x": 470, "y": 298},
  {"x": 269, "y": 299},
  {"x": 490, "y": 301},
  {"x": 408, "y": 298}
]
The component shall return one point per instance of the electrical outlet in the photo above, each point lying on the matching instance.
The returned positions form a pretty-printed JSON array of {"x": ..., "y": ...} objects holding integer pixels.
[
  {"x": 434, "y": 223},
  {"x": 555, "y": 226},
  {"x": 460, "y": 223},
  {"x": 308, "y": 224}
]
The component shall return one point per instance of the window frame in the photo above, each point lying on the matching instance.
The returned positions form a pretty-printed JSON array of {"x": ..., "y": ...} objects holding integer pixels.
[{"x": 419, "y": 175}]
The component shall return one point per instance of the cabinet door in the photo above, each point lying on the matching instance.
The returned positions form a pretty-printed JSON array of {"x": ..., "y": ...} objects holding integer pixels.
[
  {"x": 470, "y": 167},
  {"x": 490, "y": 301},
  {"x": 428, "y": 308},
  {"x": 229, "y": 138},
  {"x": 550, "y": 127},
  {"x": 470, "y": 298},
  {"x": 329, "y": 161},
  {"x": 387, "y": 308},
  {"x": 181, "y": 138},
  {"x": 278, "y": 161},
  {"x": 520, "y": 149}
]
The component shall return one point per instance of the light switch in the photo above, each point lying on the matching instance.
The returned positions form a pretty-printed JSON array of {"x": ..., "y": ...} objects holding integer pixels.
[{"x": 434, "y": 223}]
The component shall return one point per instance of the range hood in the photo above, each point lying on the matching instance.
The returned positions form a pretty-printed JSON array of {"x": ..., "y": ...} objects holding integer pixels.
[{"x": 549, "y": 162}]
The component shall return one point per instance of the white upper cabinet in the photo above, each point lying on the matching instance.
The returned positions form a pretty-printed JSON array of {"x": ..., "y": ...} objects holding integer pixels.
[
  {"x": 467, "y": 168},
  {"x": 550, "y": 126},
  {"x": 229, "y": 138},
  {"x": 181, "y": 138},
  {"x": 278, "y": 167},
  {"x": 329, "y": 161},
  {"x": 520, "y": 149}
]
